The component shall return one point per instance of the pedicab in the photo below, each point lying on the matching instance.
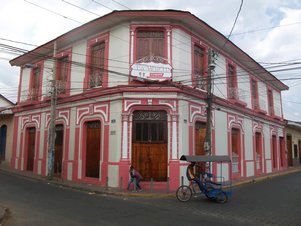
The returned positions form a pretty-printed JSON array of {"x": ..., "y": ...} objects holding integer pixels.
[{"x": 214, "y": 186}]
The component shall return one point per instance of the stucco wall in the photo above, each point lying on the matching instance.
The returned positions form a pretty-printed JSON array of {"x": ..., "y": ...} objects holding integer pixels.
[
  {"x": 78, "y": 70},
  {"x": 181, "y": 56},
  {"x": 25, "y": 84},
  {"x": 183, "y": 128},
  {"x": 119, "y": 46},
  {"x": 115, "y": 131},
  {"x": 221, "y": 133},
  {"x": 219, "y": 78},
  {"x": 262, "y": 96},
  {"x": 277, "y": 103}
]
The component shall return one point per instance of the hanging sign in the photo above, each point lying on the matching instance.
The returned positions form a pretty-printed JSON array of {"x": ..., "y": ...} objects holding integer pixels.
[{"x": 151, "y": 70}]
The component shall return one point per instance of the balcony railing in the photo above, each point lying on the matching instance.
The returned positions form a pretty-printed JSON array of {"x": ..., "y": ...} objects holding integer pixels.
[
  {"x": 237, "y": 94},
  {"x": 61, "y": 86},
  {"x": 95, "y": 80},
  {"x": 200, "y": 82},
  {"x": 255, "y": 104},
  {"x": 33, "y": 94}
]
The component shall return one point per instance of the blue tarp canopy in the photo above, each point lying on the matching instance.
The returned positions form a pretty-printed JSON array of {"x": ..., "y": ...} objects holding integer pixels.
[{"x": 205, "y": 158}]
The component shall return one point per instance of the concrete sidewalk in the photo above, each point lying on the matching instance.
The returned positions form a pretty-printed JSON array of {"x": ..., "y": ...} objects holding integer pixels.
[
  {"x": 96, "y": 189},
  {"x": 85, "y": 187}
]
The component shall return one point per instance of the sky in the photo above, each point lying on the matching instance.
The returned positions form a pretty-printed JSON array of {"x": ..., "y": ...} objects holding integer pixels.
[{"x": 267, "y": 30}]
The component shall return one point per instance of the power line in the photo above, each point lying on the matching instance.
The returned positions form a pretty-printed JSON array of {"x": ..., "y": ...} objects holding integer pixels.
[
  {"x": 69, "y": 3},
  {"x": 266, "y": 28},
  {"x": 241, "y": 3},
  {"x": 41, "y": 7},
  {"x": 121, "y": 4}
]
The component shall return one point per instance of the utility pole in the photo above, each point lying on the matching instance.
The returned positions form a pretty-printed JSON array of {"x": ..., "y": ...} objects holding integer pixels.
[
  {"x": 51, "y": 137},
  {"x": 211, "y": 66}
]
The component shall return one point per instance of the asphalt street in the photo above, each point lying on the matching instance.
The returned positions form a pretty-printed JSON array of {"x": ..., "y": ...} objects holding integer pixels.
[{"x": 275, "y": 201}]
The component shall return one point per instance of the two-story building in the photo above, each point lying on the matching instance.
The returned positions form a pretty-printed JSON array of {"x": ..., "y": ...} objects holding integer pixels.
[{"x": 132, "y": 89}]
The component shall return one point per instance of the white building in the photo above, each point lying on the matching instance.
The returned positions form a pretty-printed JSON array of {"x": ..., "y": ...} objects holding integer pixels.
[{"x": 132, "y": 89}]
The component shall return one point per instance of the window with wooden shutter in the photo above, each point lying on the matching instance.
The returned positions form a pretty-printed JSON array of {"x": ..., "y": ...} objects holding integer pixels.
[
  {"x": 97, "y": 64},
  {"x": 199, "y": 67},
  {"x": 36, "y": 76},
  {"x": 150, "y": 44},
  {"x": 62, "y": 74},
  {"x": 254, "y": 91},
  {"x": 270, "y": 102},
  {"x": 233, "y": 92}
]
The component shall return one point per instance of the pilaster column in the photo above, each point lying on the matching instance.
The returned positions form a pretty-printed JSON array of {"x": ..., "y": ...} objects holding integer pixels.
[
  {"x": 125, "y": 126},
  {"x": 174, "y": 144}
]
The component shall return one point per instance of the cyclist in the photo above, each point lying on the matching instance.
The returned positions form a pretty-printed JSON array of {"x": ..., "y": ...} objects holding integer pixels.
[{"x": 191, "y": 175}]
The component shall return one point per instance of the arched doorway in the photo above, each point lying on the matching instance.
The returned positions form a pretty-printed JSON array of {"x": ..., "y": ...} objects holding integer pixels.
[
  {"x": 3, "y": 134},
  {"x": 149, "y": 144}
]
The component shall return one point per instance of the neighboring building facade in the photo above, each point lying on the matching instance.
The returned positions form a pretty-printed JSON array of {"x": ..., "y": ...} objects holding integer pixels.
[
  {"x": 132, "y": 89},
  {"x": 6, "y": 129},
  {"x": 293, "y": 137}
]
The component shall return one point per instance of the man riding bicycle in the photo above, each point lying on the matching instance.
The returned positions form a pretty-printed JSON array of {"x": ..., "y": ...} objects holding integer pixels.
[{"x": 190, "y": 173}]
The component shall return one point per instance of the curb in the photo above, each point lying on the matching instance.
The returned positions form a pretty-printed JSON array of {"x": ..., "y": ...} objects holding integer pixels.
[
  {"x": 109, "y": 191},
  {"x": 266, "y": 177},
  {"x": 90, "y": 190}
]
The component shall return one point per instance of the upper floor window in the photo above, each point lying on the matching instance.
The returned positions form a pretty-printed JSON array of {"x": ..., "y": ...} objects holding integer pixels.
[
  {"x": 270, "y": 102},
  {"x": 62, "y": 74},
  {"x": 97, "y": 64},
  {"x": 258, "y": 150},
  {"x": 199, "y": 68},
  {"x": 254, "y": 94},
  {"x": 150, "y": 46},
  {"x": 35, "y": 83},
  {"x": 232, "y": 82}
]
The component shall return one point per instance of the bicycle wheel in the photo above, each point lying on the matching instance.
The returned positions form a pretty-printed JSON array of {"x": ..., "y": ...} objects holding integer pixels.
[
  {"x": 221, "y": 197},
  {"x": 184, "y": 193}
]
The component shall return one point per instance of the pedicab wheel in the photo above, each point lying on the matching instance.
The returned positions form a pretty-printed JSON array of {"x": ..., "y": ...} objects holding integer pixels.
[
  {"x": 221, "y": 197},
  {"x": 184, "y": 193}
]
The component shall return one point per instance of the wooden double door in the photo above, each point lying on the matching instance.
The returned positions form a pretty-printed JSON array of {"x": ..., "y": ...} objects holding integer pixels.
[{"x": 149, "y": 145}]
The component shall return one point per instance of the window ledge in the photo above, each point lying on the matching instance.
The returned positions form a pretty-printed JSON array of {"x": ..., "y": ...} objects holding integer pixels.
[
  {"x": 238, "y": 102},
  {"x": 28, "y": 103},
  {"x": 260, "y": 111},
  {"x": 276, "y": 117}
]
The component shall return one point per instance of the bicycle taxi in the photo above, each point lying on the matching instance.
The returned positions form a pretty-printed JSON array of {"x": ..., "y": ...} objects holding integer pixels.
[{"x": 214, "y": 187}]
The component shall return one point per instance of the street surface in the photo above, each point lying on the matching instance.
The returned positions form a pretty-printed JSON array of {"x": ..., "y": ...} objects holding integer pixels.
[{"x": 275, "y": 201}]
